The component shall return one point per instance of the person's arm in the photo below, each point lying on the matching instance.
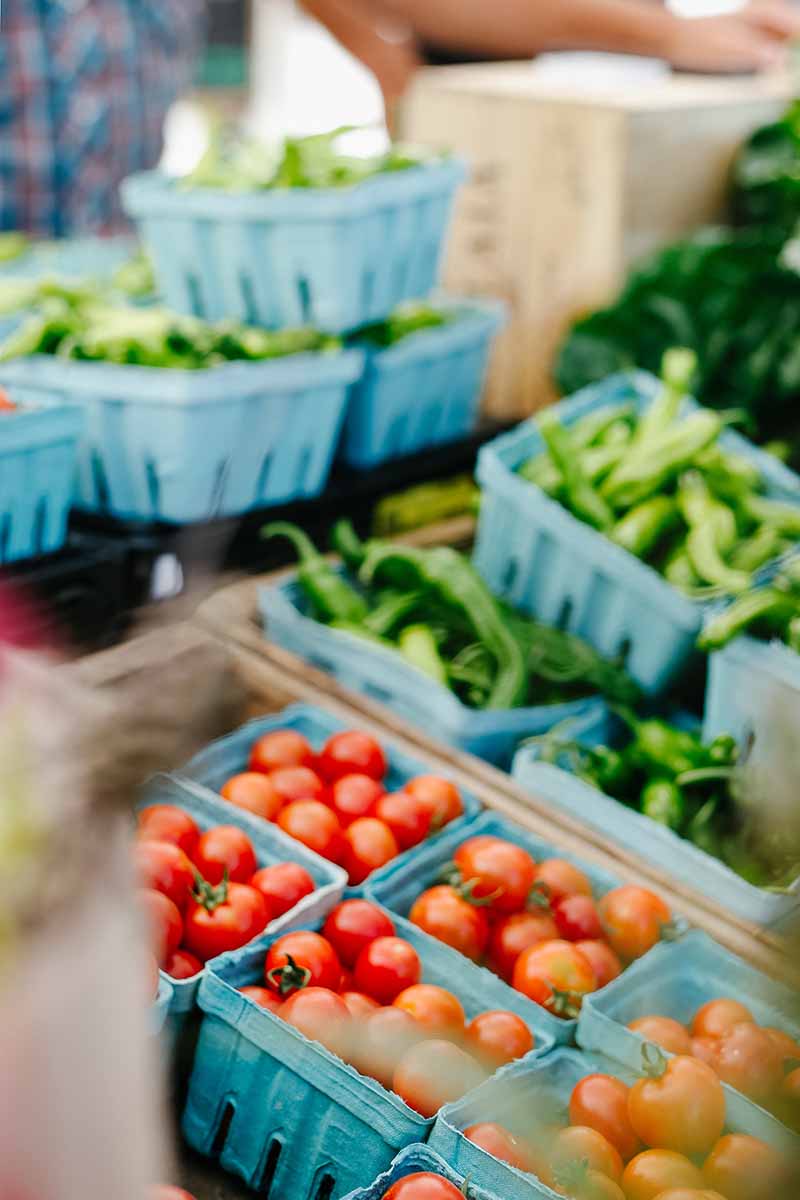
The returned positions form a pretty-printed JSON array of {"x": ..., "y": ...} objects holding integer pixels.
[{"x": 357, "y": 26}]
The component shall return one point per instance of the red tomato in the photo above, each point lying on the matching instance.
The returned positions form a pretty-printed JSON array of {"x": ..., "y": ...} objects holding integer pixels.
[
  {"x": 370, "y": 845},
  {"x": 164, "y": 923},
  {"x": 441, "y": 797},
  {"x": 168, "y": 823},
  {"x": 718, "y": 1016},
  {"x": 225, "y": 851},
  {"x": 557, "y": 878},
  {"x": 352, "y": 925},
  {"x": 360, "y": 1006},
  {"x": 183, "y": 965},
  {"x": 605, "y": 963},
  {"x": 601, "y": 1102},
  {"x": 313, "y": 824},
  {"x": 664, "y": 1032},
  {"x": 438, "y": 1012},
  {"x": 300, "y": 960},
  {"x": 355, "y": 796},
  {"x": 423, "y": 1186},
  {"x": 283, "y": 748},
  {"x": 263, "y": 997},
  {"x": 6, "y": 403},
  {"x": 229, "y": 916},
  {"x": 496, "y": 872},
  {"x": 322, "y": 1016},
  {"x": 351, "y": 753},
  {"x": 633, "y": 919},
  {"x": 653, "y": 1172},
  {"x": 283, "y": 885},
  {"x": 745, "y": 1168},
  {"x": 748, "y": 1059},
  {"x": 515, "y": 933},
  {"x": 681, "y": 1110},
  {"x": 445, "y": 914},
  {"x": 555, "y": 975},
  {"x": 577, "y": 920},
  {"x": 498, "y": 1037},
  {"x": 382, "y": 1040},
  {"x": 386, "y": 967},
  {"x": 297, "y": 783},
  {"x": 435, "y": 1073},
  {"x": 582, "y": 1144},
  {"x": 163, "y": 867},
  {"x": 253, "y": 792},
  {"x": 500, "y": 1143},
  {"x": 407, "y": 816}
]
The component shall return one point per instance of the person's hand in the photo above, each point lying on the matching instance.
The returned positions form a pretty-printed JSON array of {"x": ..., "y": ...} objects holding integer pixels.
[{"x": 756, "y": 38}]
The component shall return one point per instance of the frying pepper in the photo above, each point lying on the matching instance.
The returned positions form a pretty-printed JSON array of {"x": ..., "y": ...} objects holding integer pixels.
[
  {"x": 661, "y": 459},
  {"x": 643, "y": 527},
  {"x": 767, "y": 604},
  {"x": 663, "y": 801},
  {"x": 765, "y": 544},
  {"x": 595, "y": 426},
  {"x": 782, "y": 516},
  {"x": 332, "y": 597},
  {"x": 677, "y": 370},
  {"x": 348, "y": 545},
  {"x": 678, "y": 569},
  {"x": 662, "y": 747},
  {"x": 418, "y": 646},
  {"x": 712, "y": 530},
  {"x": 383, "y": 619},
  {"x": 582, "y": 498}
]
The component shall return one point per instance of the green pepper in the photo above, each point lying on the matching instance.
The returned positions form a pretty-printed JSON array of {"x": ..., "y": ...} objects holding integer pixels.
[
  {"x": 424, "y": 505},
  {"x": 766, "y": 604},
  {"x": 358, "y": 631},
  {"x": 678, "y": 569},
  {"x": 610, "y": 769},
  {"x": 712, "y": 530},
  {"x": 782, "y": 516},
  {"x": 678, "y": 367},
  {"x": 646, "y": 471},
  {"x": 580, "y": 496},
  {"x": 723, "y": 750},
  {"x": 640, "y": 530},
  {"x": 418, "y": 646},
  {"x": 663, "y": 748},
  {"x": 393, "y": 608},
  {"x": 348, "y": 545},
  {"x": 332, "y": 597},
  {"x": 765, "y": 544},
  {"x": 792, "y": 636},
  {"x": 595, "y": 426},
  {"x": 702, "y": 829},
  {"x": 663, "y": 801},
  {"x": 543, "y": 472}
]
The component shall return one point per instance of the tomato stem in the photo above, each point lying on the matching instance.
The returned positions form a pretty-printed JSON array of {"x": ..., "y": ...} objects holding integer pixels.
[
  {"x": 451, "y": 875},
  {"x": 209, "y": 896},
  {"x": 654, "y": 1064},
  {"x": 564, "y": 1002},
  {"x": 289, "y": 978},
  {"x": 540, "y": 896}
]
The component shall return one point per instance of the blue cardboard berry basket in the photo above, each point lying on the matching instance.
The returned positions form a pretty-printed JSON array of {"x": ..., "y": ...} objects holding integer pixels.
[
  {"x": 228, "y": 756},
  {"x": 177, "y": 446},
  {"x": 384, "y": 675},
  {"x": 675, "y": 981},
  {"x": 411, "y": 1161},
  {"x": 423, "y": 391},
  {"x": 542, "y": 559},
  {"x": 38, "y": 457},
  {"x": 271, "y": 846},
  {"x": 336, "y": 258},
  {"x": 160, "y": 1008},
  {"x": 398, "y": 885},
  {"x": 649, "y": 840},
  {"x": 284, "y": 1112},
  {"x": 73, "y": 258}
]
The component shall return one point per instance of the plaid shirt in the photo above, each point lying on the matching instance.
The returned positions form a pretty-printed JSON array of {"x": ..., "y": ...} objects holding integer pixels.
[{"x": 84, "y": 89}]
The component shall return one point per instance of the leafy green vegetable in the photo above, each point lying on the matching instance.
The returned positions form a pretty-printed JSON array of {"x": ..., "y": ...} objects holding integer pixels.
[
  {"x": 406, "y": 319},
  {"x": 766, "y": 179}
]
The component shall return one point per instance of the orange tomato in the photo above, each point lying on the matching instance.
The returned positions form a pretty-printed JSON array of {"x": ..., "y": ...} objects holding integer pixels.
[
  {"x": 718, "y": 1016},
  {"x": 705, "y": 1048},
  {"x": 555, "y": 975},
  {"x": 682, "y": 1193},
  {"x": 633, "y": 919},
  {"x": 745, "y": 1168},
  {"x": 497, "y": 1038},
  {"x": 749, "y": 1060},
  {"x": 444, "y": 913},
  {"x": 601, "y": 1102},
  {"x": 383, "y": 1038},
  {"x": 664, "y": 1032},
  {"x": 435, "y": 1073},
  {"x": 514, "y": 933},
  {"x": 439, "y": 796},
  {"x": 556, "y": 878},
  {"x": 498, "y": 872},
  {"x": 370, "y": 844},
  {"x": 579, "y": 1144},
  {"x": 605, "y": 961},
  {"x": 655, "y": 1171},
  {"x": 789, "y": 1048},
  {"x": 437, "y": 1011},
  {"x": 682, "y": 1109},
  {"x": 253, "y": 792},
  {"x": 500, "y": 1143}
]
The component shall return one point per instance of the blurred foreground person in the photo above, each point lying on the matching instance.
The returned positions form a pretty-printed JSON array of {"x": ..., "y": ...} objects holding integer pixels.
[{"x": 395, "y": 37}]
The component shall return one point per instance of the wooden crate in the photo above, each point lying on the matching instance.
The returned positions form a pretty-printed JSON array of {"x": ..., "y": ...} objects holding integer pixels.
[{"x": 570, "y": 186}]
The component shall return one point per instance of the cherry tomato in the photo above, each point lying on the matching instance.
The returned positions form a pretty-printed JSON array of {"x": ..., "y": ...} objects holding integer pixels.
[
  {"x": 369, "y": 845},
  {"x": 229, "y": 916},
  {"x": 744, "y": 1168},
  {"x": 500, "y": 1143},
  {"x": 355, "y": 796},
  {"x": 383, "y": 1039},
  {"x": 664, "y": 1032},
  {"x": 163, "y": 867},
  {"x": 601, "y": 1102},
  {"x": 407, "y": 816},
  {"x": 682, "y": 1109},
  {"x": 438, "y": 1012},
  {"x": 789, "y": 1048},
  {"x": 445, "y": 914},
  {"x": 316, "y": 826},
  {"x": 300, "y": 960},
  {"x": 556, "y": 878},
  {"x": 605, "y": 962},
  {"x": 577, "y": 920},
  {"x": 168, "y": 823},
  {"x": 748, "y": 1059},
  {"x": 681, "y": 1193},
  {"x": 498, "y": 1037},
  {"x": 423, "y": 1186},
  {"x": 594, "y": 1185},
  {"x": 513, "y": 934},
  {"x": 351, "y": 753},
  {"x": 718, "y": 1016},
  {"x": 555, "y": 975},
  {"x": 386, "y": 967},
  {"x": 655, "y": 1171},
  {"x": 282, "y": 748},
  {"x": 705, "y": 1048},
  {"x": 6, "y": 403},
  {"x": 322, "y": 1016},
  {"x": 441, "y": 798},
  {"x": 633, "y": 919},
  {"x": 582, "y": 1144},
  {"x": 164, "y": 923},
  {"x": 435, "y": 1073},
  {"x": 283, "y": 885},
  {"x": 496, "y": 872},
  {"x": 183, "y": 965},
  {"x": 790, "y": 1088},
  {"x": 263, "y": 997},
  {"x": 297, "y": 783},
  {"x": 254, "y": 793},
  {"x": 359, "y": 1006},
  {"x": 224, "y": 851},
  {"x": 165, "y": 1191},
  {"x": 352, "y": 925}
]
